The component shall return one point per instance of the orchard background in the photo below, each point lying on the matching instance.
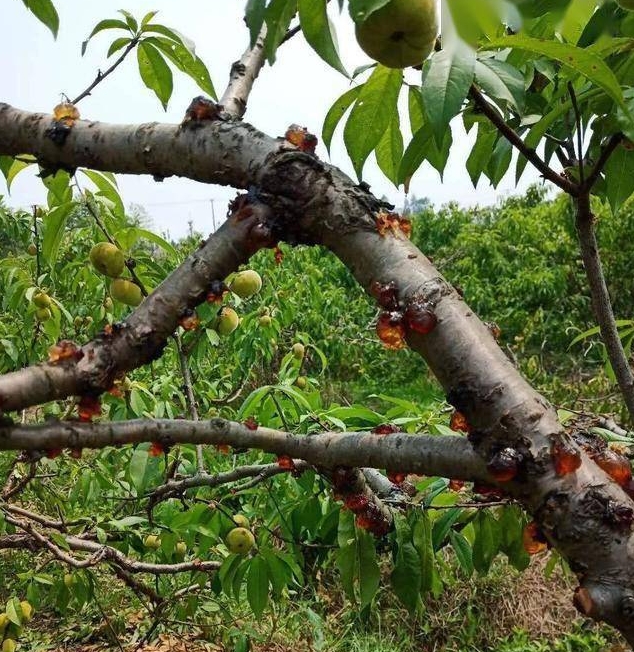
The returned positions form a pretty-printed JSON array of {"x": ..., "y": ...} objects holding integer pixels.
[{"x": 156, "y": 543}]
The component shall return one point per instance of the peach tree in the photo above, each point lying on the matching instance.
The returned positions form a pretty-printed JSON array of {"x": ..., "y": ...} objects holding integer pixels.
[{"x": 549, "y": 81}]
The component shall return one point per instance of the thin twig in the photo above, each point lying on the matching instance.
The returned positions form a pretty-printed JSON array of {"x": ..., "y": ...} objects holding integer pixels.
[
  {"x": 515, "y": 139},
  {"x": 606, "y": 152},
  {"x": 102, "y": 75}
]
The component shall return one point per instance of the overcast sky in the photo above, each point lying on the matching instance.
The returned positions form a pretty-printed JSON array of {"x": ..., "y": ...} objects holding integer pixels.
[{"x": 299, "y": 88}]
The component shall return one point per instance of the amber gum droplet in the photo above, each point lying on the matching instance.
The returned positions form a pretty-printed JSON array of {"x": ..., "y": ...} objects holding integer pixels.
[
  {"x": 566, "y": 458},
  {"x": 533, "y": 539},
  {"x": 391, "y": 331}
]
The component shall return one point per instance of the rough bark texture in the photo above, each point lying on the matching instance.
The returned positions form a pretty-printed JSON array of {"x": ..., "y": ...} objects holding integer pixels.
[
  {"x": 449, "y": 456},
  {"x": 143, "y": 335},
  {"x": 314, "y": 203}
]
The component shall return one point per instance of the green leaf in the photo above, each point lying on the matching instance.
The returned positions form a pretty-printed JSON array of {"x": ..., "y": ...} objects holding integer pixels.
[
  {"x": 582, "y": 61},
  {"x": 499, "y": 163},
  {"x": 389, "y": 151},
  {"x": 361, "y": 9},
  {"x": 336, "y": 112},
  {"x": 134, "y": 233},
  {"x": 181, "y": 57},
  {"x": 118, "y": 44},
  {"x": 172, "y": 35},
  {"x": 12, "y": 167},
  {"x": 406, "y": 576},
  {"x": 148, "y": 17},
  {"x": 416, "y": 108},
  {"x": 446, "y": 86},
  {"x": 443, "y": 525},
  {"x": 155, "y": 73},
  {"x": 372, "y": 114},
  {"x": 487, "y": 541},
  {"x": 130, "y": 20},
  {"x": 369, "y": 573},
  {"x": 423, "y": 147},
  {"x": 346, "y": 561},
  {"x": 576, "y": 18},
  {"x": 538, "y": 131},
  {"x": 319, "y": 32},
  {"x": 473, "y": 20},
  {"x": 463, "y": 551},
  {"x": 481, "y": 152},
  {"x": 422, "y": 539},
  {"x": 502, "y": 81},
  {"x": 619, "y": 177},
  {"x": 254, "y": 18},
  {"x": 54, "y": 225},
  {"x": 14, "y": 611},
  {"x": 278, "y": 17},
  {"x": 138, "y": 468},
  {"x": 108, "y": 189},
  {"x": 258, "y": 585},
  {"x": 44, "y": 11},
  {"x": 101, "y": 26}
]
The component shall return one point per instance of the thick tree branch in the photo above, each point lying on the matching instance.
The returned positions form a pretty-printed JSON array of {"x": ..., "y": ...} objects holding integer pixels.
[
  {"x": 143, "y": 335},
  {"x": 448, "y": 456},
  {"x": 316, "y": 203}
]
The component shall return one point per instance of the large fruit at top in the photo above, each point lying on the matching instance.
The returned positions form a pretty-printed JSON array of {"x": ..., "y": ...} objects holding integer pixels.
[
  {"x": 246, "y": 284},
  {"x": 107, "y": 259},
  {"x": 126, "y": 292},
  {"x": 240, "y": 541},
  {"x": 626, "y": 4},
  {"x": 400, "y": 34}
]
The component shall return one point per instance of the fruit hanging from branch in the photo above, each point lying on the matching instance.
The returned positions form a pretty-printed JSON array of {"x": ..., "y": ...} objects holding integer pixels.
[
  {"x": 126, "y": 292},
  {"x": 240, "y": 541},
  {"x": 41, "y": 300},
  {"x": 107, "y": 259},
  {"x": 400, "y": 34},
  {"x": 228, "y": 321},
  {"x": 246, "y": 284}
]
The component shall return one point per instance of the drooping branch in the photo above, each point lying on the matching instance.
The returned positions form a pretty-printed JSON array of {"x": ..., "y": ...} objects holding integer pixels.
[
  {"x": 98, "y": 552},
  {"x": 257, "y": 472}
]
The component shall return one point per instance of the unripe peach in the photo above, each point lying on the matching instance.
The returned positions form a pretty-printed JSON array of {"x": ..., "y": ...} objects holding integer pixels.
[
  {"x": 247, "y": 283},
  {"x": 126, "y": 292},
  {"x": 227, "y": 321},
  {"x": 107, "y": 259}
]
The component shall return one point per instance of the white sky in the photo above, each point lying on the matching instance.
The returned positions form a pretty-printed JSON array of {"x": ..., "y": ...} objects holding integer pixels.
[{"x": 298, "y": 89}]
